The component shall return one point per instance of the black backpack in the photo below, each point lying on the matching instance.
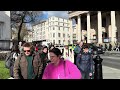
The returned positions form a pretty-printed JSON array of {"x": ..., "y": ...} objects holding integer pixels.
[{"x": 9, "y": 60}]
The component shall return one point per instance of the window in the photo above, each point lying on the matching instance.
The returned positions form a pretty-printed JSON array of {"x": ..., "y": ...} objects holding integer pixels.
[
  {"x": 66, "y": 29},
  {"x": 53, "y": 28},
  {"x": 48, "y": 28},
  {"x": 85, "y": 26},
  {"x": 56, "y": 23},
  {"x": 56, "y": 28},
  {"x": 59, "y": 28},
  {"x": 59, "y": 41},
  {"x": 73, "y": 29},
  {"x": 40, "y": 33},
  {"x": 104, "y": 34},
  {"x": 1, "y": 29},
  {"x": 63, "y": 35},
  {"x": 74, "y": 35},
  {"x": 65, "y": 25},
  {"x": 53, "y": 34},
  {"x": 61, "y": 24},
  {"x": 58, "y": 34},
  {"x": 53, "y": 41},
  {"x": 68, "y": 41},
  {"x": 68, "y": 35},
  {"x": 63, "y": 28},
  {"x": 104, "y": 22}
]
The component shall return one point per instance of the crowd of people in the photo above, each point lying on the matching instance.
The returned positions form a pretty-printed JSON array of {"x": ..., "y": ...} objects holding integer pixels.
[{"x": 30, "y": 61}]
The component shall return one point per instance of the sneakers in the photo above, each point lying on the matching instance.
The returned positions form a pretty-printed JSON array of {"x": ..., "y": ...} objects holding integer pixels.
[{"x": 11, "y": 78}]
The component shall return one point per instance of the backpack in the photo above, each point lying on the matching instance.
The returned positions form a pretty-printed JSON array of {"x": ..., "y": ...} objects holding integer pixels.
[{"x": 8, "y": 60}]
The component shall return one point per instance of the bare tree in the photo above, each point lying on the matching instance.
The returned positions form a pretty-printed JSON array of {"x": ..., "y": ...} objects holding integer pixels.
[
  {"x": 24, "y": 32},
  {"x": 18, "y": 18},
  {"x": 14, "y": 35}
]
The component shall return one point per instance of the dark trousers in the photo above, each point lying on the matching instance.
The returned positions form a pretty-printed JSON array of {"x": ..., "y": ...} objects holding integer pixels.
[
  {"x": 85, "y": 75},
  {"x": 11, "y": 71},
  {"x": 75, "y": 57},
  {"x": 44, "y": 65}
]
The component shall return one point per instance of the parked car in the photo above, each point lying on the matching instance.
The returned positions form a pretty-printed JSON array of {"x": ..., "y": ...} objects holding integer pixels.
[
  {"x": 96, "y": 49},
  {"x": 100, "y": 50},
  {"x": 59, "y": 46}
]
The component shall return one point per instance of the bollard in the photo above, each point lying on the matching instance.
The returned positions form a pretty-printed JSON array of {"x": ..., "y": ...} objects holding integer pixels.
[{"x": 98, "y": 67}]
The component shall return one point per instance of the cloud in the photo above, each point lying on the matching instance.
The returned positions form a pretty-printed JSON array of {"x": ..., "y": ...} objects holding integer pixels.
[{"x": 60, "y": 14}]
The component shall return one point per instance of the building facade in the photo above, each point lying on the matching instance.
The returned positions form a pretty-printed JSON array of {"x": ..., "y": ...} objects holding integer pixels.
[
  {"x": 5, "y": 30},
  {"x": 29, "y": 36},
  {"x": 54, "y": 30},
  {"x": 100, "y": 26}
]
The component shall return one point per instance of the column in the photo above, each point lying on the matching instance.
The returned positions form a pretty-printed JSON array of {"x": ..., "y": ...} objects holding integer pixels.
[
  {"x": 71, "y": 32},
  {"x": 88, "y": 27},
  {"x": 113, "y": 28},
  {"x": 99, "y": 27},
  {"x": 79, "y": 34}
]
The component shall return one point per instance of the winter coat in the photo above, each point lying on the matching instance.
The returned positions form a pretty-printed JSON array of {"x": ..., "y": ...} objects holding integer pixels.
[
  {"x": 21, "y": 64},
  {"x": 85, "y": 62}
]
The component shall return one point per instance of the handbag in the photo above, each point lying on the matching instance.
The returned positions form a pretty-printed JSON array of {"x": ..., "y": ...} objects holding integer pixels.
[{"x": 8, "y": 61}]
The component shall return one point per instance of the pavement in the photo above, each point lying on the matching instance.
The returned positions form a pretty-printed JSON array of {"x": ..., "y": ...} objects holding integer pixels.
[{"x": 110, "y": 73}]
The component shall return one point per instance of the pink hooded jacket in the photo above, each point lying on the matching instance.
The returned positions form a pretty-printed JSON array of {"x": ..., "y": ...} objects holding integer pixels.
[{"x": 64, "y": 70}]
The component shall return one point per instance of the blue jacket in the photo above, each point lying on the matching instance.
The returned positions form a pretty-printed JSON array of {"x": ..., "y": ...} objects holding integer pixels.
[
  {"x": 77, "y": 49},
  {"x": 85, "y": 62}
]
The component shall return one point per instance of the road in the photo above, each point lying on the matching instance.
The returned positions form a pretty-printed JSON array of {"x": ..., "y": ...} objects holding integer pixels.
[
  {"x": 111, "y": 61},
  {"x": 111, "y": 67}
]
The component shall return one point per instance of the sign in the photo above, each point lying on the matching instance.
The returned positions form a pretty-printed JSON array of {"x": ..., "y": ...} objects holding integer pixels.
[{"x": 106, "y": 40}]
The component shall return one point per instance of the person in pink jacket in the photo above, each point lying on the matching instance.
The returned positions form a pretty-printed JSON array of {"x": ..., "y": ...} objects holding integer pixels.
[{"x": 59, "y": 68}]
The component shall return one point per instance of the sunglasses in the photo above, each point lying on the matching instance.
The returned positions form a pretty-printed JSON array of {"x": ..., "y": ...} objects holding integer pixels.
[{"x": 26, "y": 50}]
